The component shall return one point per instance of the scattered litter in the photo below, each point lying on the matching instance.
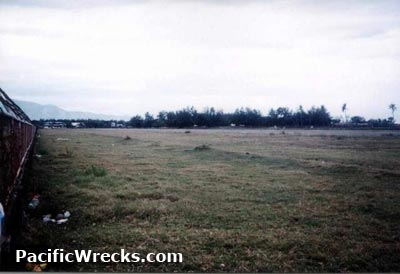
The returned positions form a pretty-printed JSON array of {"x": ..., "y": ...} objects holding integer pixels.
[
  {"x": 34, "y": 202},
  {"x": 35, "y": 267},
  {"x": 62, "y": 139},
  {"x": 38, "y": 156},
  {"x": 47, "y": 219},
  {"x": 61, "y": 221},
  {"x": 112, "y": 144},
  {"x": 60, "y": 218}
]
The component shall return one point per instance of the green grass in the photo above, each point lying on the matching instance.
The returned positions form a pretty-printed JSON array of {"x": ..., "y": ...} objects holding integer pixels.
[
  {"x": 324, "y": 201},
  {"x": 96, "y": 171}
]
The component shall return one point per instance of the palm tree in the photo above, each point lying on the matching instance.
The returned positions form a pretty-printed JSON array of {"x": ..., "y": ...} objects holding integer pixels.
[
  {"x": 344, "y": 109},
  {"x": 301, "y": 112},
  {"x": 393, "y": 108}
]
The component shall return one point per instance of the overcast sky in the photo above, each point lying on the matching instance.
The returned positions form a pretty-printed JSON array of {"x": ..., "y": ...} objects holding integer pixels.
[{"x": 128, "y": 57}]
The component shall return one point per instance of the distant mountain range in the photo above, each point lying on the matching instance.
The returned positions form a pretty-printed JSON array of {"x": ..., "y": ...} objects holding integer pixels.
[{"x": 37, "y": 111}]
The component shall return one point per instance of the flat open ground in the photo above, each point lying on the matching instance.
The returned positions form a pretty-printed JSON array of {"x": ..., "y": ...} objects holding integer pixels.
[{"x": 229, "y": 200}]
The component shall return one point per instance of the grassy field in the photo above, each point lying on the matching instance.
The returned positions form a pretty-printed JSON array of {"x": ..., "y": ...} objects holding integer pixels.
[{"x": 229, "y": 200}]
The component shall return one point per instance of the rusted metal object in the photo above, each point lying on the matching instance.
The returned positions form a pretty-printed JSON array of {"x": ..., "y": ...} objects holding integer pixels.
[{"x": 16, "y": 140}]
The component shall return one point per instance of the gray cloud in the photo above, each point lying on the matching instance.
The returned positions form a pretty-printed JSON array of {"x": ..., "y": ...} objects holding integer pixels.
[
  {"x": 128, "y": 57},
  {"x": 67, "y": 4}
]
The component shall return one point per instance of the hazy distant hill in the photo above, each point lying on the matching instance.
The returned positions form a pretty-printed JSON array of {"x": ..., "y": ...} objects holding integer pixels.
[{"x": 37, "y": 111}]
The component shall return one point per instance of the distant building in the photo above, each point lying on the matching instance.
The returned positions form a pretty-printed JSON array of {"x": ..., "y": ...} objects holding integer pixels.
[
  {"x": 117, "y": 125},
  {"x": 54, "y": 124},
  {"x": 77, "y": 125}
]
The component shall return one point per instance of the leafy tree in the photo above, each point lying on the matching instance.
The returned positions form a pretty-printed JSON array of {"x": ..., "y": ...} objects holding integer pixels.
[
  {"x": 284, "y": 116},
  {"x": 357, "y": 120},
  {"x": 171, "y": 119},
  {"x": 149, "y": 120},
  {"x": 319, "y": 116},
  {"x": 161, "y": 120},
  {"x": 247, "y": 117},
  {"x": 136, "y": 121},
  {"x": 186, "y": 117}
]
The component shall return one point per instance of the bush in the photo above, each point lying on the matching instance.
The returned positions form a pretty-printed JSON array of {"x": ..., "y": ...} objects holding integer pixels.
[
  {"x": 96, "y": 171},
  {"x": 202, "y": 147}
]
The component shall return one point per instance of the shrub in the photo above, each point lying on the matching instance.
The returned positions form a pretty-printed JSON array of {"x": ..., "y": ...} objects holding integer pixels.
[
  {"x": 202, "y": 147},
  {"x": 96, "y": 171}
]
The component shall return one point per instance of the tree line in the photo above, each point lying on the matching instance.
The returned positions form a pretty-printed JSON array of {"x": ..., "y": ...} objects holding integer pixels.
[
  {"x": 242, "y": 117},
  {"x": 246, "y": 117}
]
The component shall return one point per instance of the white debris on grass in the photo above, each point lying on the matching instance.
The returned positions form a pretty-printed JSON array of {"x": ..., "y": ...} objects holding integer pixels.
[
  {"x": 60, "y": 218},
  {"x": 61, "y": 221}
]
